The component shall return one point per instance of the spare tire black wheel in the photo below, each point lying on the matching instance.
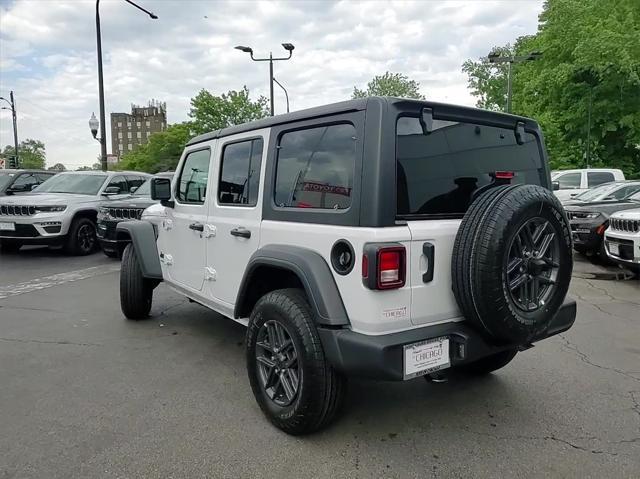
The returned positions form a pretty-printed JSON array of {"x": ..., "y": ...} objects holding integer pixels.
[{"x": 512, "y": 262}]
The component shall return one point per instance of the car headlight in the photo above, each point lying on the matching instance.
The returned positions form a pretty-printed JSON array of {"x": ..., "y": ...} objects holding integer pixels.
[
  {"x": 50, "y": 208},
  {"x": 592, "y": 215},
  {"x": 103, "y": 213}
]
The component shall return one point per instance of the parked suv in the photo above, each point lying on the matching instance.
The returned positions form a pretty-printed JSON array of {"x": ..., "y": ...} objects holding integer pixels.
[
  {"x": 16, "y": 182},
  {"x": 570, "y": 183},
  {"x": 589, "y": 221},
  {"x": 62, "y": 211},
  {"x": 622, "y": 239},
  {"x": 130, "y": 208},
  {"x": 378, "y": 237}
]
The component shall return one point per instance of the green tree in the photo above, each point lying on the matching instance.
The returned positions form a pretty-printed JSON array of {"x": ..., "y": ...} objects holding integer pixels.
[
  {"x": 590, "y": 61},
  {"x": 390, "y": 84},
  {"x": 210, "y": 112},
  {"x": 31, "y": 154},
  {"x": 161, "y": 153},
  {"x": 57, "y": 167}
]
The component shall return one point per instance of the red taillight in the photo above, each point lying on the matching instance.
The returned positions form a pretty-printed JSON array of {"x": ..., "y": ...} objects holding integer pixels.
[
  {"x": 504, "y": 175},
  {"x": 391, "y": 268}
]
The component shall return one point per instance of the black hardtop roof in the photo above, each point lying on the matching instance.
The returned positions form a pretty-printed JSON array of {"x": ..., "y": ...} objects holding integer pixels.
[{"x": 345, "y": 107}]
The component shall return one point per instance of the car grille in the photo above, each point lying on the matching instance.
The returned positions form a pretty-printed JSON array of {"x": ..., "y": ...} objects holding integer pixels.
[
  {"x": 17, "y": 210},
  {"x": 126, "y": 213},
  {"x": 631, "y": 226}
]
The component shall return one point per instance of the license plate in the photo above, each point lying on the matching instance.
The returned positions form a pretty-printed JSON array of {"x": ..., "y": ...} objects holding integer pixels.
[
  {"x": 8, "y": 226},
  {"x": 582, "y": 230},
  {"x": 614, "y": 249},
  {"x": 426, "y": 357}
]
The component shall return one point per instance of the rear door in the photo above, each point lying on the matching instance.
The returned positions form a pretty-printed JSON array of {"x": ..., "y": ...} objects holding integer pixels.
[{"x": 438, "y": 175}]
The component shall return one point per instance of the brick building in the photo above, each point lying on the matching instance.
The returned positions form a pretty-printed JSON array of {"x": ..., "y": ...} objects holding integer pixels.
[{"x": 131, "y": 129}]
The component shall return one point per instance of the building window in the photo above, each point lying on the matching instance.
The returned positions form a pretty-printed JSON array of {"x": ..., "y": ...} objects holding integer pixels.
[
  {"x": 119, "y": 136},
  {"x": 120, "y": 147},
  {"x": 119, "y": 126},
  {"x": 139, "y": 135},
  {"x": 129, "y": 148},
  {"x": 128, "y": 134},
  {"x": 148, "y": 123},
  {"x": 138, "y": 124}
]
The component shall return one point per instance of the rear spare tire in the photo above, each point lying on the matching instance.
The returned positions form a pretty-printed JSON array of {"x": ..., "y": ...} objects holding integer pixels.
[{"x": 512, "y": 262}]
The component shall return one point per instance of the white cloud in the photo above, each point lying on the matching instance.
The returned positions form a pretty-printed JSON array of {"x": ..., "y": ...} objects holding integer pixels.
[{"x": 47, "y": 55}]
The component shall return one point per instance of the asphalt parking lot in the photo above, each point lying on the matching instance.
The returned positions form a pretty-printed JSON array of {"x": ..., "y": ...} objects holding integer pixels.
[{"x": 85, "y": 393}]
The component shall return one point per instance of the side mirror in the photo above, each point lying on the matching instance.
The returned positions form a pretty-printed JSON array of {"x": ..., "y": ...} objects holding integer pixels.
[
  {"x": 161, "y": 190},
  {"x": 34, "y": 186},
  {"x": 111, "y": 190},
  {"x": 555, "y": 185},
  {"x": 133, "y": 189}
]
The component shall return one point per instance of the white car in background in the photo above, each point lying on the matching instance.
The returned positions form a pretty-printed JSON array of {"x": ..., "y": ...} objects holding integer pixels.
[
  {"x": 622, "y": 239},
  {"x": 569, "y": 183}
]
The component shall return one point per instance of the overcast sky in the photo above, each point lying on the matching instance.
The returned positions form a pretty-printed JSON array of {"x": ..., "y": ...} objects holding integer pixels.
[{"x": 47, "y": 55}]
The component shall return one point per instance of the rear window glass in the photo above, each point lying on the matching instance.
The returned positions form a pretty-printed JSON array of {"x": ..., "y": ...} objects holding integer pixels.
[
  {"x": 315, "y": 167},
  {"x": 438, "y": 173}
]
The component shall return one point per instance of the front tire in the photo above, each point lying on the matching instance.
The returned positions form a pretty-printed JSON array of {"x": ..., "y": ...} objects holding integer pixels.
[
  {"x": 81, "y": 239},
  {"x": 293, "y": 383},
  {"x": 136, "y": 291}
]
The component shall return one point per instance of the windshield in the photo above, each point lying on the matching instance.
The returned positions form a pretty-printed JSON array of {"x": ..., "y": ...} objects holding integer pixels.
[
  {"x": 5, "y": 179},
  {"x": 598, "y": 192},
  {"x": 144, "y": 189},
  {"x": 73, "y": 183},
  {"x": 635, "y": 197}
]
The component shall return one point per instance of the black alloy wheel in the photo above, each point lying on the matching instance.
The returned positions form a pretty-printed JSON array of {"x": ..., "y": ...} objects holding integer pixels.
[
  {"x": 277, "y": 362},
  {"x": 86, "y": 237},
  {"x": 533, "y": 263}
]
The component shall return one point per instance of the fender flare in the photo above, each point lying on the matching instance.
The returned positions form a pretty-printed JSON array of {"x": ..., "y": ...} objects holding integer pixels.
[
  {"x": 313, "y": 272},
  {"x": 143, "y": 239}
]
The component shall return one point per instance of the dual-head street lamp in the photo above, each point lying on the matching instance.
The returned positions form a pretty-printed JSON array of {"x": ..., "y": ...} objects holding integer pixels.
[
  {"x": 495, "y": 57},
  {"x": 287, "y": 46},
  {"x": 93, "y": 122}
]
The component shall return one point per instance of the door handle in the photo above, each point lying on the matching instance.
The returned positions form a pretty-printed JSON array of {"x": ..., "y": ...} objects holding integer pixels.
[
  {"x": 196, "y": 227},
  {"x": 242, "y": 232}
]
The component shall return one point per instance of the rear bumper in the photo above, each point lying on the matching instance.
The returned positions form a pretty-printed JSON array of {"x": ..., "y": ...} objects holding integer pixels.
[{"x": 381, "y": 357}]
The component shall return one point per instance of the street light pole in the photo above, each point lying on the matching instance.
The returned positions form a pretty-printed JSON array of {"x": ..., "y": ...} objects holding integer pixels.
[
  {"x": 510, "y": 60},
  {"x": 14, "y": 116},
  {"x": 588, "y": 155},
  {"x": 287, "y": 46},
  {"x": 103, "y": 126}
]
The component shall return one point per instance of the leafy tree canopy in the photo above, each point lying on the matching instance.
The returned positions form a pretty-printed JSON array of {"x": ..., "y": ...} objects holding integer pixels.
[
  {"x": 590, "y": 62},
  {"x": 390, "y": 84},
  {"x": 57, "y": 167},
  {"x": 31, "y": 154}
]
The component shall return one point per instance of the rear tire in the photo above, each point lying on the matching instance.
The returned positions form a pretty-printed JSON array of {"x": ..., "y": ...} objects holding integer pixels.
[
  {"x": 490, "y": 363},
  {"x": 81, "y": 239},
  {"x": 136, "y": 291},
  {"x": 301, "y": 395},
  {"x": 8, "y": 246}
]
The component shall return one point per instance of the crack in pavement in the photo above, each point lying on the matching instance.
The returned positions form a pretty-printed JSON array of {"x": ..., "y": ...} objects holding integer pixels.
[
  {"x": 39, "y": 341},
  {"x": 585, "y": 359},
  {"x": 549, "y": 438},
  {"x": 609, "y": 295}
]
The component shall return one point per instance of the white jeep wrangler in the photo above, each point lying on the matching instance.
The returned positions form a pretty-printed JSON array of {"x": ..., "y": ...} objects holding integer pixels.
[{"x": 379, "y": 237}]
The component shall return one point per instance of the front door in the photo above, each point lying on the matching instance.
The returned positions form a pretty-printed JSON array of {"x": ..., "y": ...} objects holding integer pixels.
[
  {"x": 182, "y": 250},
  {"x": 235, "y": 213}
]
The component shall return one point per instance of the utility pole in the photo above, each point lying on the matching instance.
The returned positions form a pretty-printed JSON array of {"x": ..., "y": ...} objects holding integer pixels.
[
  {"x": 588, "y": 155},
  {"x": 103, "y": 126},
  {"x": 288, "y": 47},
  {"x": 14, "y": 116},
  {"x": 496, "y": 58}
]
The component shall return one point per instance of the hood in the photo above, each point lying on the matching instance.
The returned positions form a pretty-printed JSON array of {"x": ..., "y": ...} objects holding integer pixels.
[
  {"x": 605, "y": 207},
  {"x": 631, "y": 214},
  {"x": 131, "y": 202},
  {"x": 48, "y": 199}
]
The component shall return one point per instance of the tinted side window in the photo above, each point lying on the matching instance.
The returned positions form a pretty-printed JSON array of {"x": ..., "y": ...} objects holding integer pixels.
[
  {"x": 42, "y": 177},
  {"x": 135, "y": 181},
  {"x": 596, "y": 178},
  {"x": 569, "y": 181},
  {"x": 439, "y": 173},
  {"x": 120, "y": 183},
  {"x": 25, "y": 182},
  {"x": 625, "y": 192},
  {"x": 240, "y": 173},
  {"x": 192, "y": 183},
  {"x": 315, "y": 167}
]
